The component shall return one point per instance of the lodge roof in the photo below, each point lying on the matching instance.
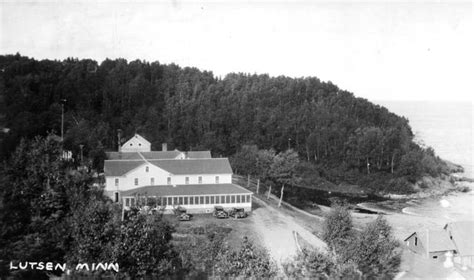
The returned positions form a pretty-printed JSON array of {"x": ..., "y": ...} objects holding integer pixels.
[
  {"x": 120, "y": 167},
  {"x": 173, "y": 166},
  {"x": 147, "y": 155},
  {"x": 194, "y": 166},
  {"x": 200, "y": 189},
  {"x": 462, "y": 233},
  {"x": 156, "y": 155},
  {"x": 199, "y": 154}
]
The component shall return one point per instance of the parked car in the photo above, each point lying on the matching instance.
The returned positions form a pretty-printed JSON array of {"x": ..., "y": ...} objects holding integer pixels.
[
  {"x": 183, "y": 215},
  {"x": 238, "y": 213},
  {"x": 220, "y": 213}
]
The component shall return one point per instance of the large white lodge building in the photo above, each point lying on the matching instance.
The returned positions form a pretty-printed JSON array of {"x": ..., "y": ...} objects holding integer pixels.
[{"x": 193, "y": 180}]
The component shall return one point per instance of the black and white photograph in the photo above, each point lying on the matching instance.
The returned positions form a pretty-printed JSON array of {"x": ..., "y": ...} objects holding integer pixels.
[{"x": 236, "y": 139}]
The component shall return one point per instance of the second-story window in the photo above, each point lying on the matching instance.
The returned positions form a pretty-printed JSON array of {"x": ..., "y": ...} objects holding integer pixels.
[
  {"x": 147, "y": 169},
  {"x": 187, "y": 180},
  {"x": 136, "y": 181},
  {"x": 200, "y": 179},
  {"x": 116, "y": 182},
  {"x": 217, "y": 179},
  {"x": 168, "y": 180}
]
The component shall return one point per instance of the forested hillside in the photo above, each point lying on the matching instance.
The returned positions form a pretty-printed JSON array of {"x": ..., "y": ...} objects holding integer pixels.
[{"x": 338, "y": 137}]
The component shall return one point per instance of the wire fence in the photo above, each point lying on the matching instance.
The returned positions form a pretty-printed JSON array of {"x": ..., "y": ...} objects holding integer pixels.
[{"x": 260, "y": 189}]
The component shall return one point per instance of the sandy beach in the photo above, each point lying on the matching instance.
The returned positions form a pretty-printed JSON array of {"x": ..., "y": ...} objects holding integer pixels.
[{"x": 420, "y": 214}]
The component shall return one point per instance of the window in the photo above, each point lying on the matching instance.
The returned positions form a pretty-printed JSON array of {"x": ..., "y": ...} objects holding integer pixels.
[
  {"x": 222, "y": 199},
  {"x": 186, "y": 200},
  {"x": 175, "y": 200},
  {"x": 152, "y": 181},
  {"x": 140, "y": 144},
  {"x": 180, "y": 201},
  {"x": 170, "y": 200},
  {"x": 191, "y": 200},
  {"x": 116, "y": 196},
  {"x": 196, "y": 200},
  {"x": 227, "y": 199},
  {"x": 131, "y": 144},
  {"x": 200, "y": 179},
  {"x": 116, "y": 182},
  {"x": 127, "y": 202},
  {"x": 243, "y": 198},
  {"x": 147, "y": 169},
  {"x": 238, "y": 199},
  {"x": 212, "y": 199},
  {"x": 168, "y": 180},
  {"x": 416, "y": 241},
  {"x": 187, "y": 180},
  {"x": 207, "y": 199},
  {"x": 248, "y": 198},
  {"x": 136, "y": 181},
  {"x": 217, "y": 179},
  {"x": 132, "y": 201},
  {"x": 232, "y": 198},
  {"x": 217, "y": 199},
  {"x": 435, "y": 257},
  {"x": 165, "y": 200},
  {"x": 201, "y": 200}
]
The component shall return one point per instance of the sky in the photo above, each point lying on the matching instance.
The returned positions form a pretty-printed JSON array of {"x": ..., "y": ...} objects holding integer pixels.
[{"x": 385, "y": 50}]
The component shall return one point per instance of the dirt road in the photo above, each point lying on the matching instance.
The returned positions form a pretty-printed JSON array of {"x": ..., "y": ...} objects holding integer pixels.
[{"x": 276, "y": 231}]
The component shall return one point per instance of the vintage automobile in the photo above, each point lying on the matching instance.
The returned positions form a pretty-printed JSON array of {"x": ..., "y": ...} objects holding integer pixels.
[
  {"x": 238, "y": 213},
  {"x": 220, "y": 213},
  {"x": 183, "y": 215}
]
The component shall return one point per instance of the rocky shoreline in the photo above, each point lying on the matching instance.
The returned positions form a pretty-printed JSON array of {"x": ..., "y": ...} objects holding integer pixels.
[{"x": 436, "y": 187}]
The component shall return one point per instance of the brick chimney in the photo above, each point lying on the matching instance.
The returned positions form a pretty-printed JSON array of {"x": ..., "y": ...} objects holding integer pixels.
[{"x": 164, "y": 147}]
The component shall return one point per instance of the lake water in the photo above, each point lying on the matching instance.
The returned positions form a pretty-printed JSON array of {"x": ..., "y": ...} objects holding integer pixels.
[{"x": 447, "y": 127}]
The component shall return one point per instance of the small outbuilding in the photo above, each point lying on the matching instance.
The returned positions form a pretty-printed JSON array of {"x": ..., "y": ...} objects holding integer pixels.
[
  {"x": 455, "y": 238},
  {"x": 433, "y": 244},
  {"x": 462, "y": 235}
]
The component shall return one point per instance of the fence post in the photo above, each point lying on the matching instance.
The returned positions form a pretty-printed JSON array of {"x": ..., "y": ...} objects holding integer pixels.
[
  {"x": 281, "y": 195},
  {"x": 123, "y": 209},
  {"x": 258, "y": 184}
]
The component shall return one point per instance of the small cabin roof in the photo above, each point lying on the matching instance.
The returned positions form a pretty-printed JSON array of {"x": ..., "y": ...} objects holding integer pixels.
[
  {"x": 462, "y": 233},
  {"x": 434, "y": 240}
]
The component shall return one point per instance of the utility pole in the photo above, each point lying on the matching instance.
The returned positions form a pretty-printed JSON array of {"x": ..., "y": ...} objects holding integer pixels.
[
  {"x": 81, "y": 146},
  {"x": 119, "y": 136},
  {"x": 63, "y": 101}
]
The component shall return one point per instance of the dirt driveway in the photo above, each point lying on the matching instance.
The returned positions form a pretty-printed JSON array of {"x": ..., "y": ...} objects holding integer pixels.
[{"x": 276, "y": 230}]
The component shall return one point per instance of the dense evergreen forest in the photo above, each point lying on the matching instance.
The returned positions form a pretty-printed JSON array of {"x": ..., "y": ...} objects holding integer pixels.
[{"x": 338, "y": 137}]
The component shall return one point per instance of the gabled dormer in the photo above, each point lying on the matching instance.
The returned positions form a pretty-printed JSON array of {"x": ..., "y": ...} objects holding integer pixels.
[{"x": 136, "y": 144}]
